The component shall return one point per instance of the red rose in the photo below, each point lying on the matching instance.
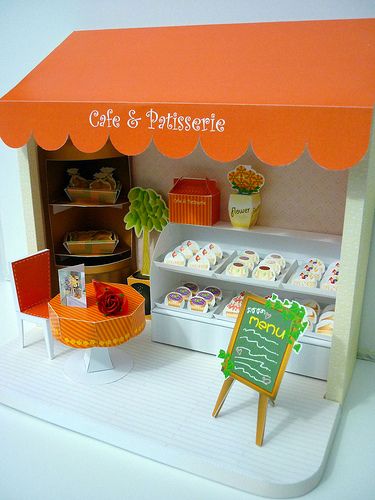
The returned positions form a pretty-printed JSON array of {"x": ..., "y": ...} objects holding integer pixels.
[{"x": 110, "y": 300}]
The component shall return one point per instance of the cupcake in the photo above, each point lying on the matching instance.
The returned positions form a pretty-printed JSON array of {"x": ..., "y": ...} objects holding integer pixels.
[
  {"x": 232, "y": 309},
  {"x": 252, "y": 255},
  {"x": 273, "y": 264},
  {"x": 244, "y": 259},
  {"x": 193, "y": 287},
  {"x": 330, "y": 284},
  {"x": 208, "y": 297},
  {"x": 174, "y": 299},
  {"x": 237, "y": 269},
  {"x": 315, "y": 262},
  {"x": 264, "y": 272},
  {"x": 218, "y": 294},
  {"x": 197, "y": 304},
  {"x": 175, "y": 259},
  {"x": 278, "y": 257},
  {"x": 185, "y": 292}
]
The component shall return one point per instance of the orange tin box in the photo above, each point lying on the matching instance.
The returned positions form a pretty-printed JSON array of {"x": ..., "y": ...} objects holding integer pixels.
[{"x": 194, "y": 201}]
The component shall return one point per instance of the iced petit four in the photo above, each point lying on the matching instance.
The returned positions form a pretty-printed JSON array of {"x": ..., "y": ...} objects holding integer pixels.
[
  {"x": 278, "y": 257},
  {"x": 185, "y": 250},
  {"x": 193, "y": 245},
  {"x": 218, "y": 294},
  {"x": 174, "y": 299},
  {"x": 175, "y": 259},
  {"x": 252, "y": 254},
  {"x": 237, "y": 269},
  {"x": 211, "y": 256},
  {"x": 208, "y": 297},
  {"x": 244, "y": 259},
  {"x": 200, "y": 262},
  {"x": 213, "y": 247},
  {"x": 304, "y": 279},
  {"x": 197, "y": 304},
  {"x": 193, "y": 287},
  {"x": 185, "y": 292},
  {"x": 264, "y": 272}
]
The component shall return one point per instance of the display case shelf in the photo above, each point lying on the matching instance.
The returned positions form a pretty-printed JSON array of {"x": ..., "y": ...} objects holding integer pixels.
[{"x": 211, "y": 334}]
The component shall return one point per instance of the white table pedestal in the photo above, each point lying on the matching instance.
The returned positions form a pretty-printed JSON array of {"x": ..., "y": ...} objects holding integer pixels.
[{"x": 98, "y": 365}]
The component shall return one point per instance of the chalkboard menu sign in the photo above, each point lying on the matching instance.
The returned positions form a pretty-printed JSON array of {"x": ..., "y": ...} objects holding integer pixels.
[
  {"x": 265, "y": 332},
  {"x": 260, "y": 345}
]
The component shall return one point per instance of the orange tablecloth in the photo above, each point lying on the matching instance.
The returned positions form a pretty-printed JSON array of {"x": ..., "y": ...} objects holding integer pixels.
[{"x": 84, "y": 328}]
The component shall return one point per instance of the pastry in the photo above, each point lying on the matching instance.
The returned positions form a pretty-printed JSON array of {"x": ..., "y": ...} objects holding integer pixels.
[
  {"x": 208, "y": 297},
  {"x": 310, "y": 315},
  {"x": 325, "y": 327},
  {"x": 237, "y": 269},
  {"x": 244, "y": 259},
  {"x": 175, "y": 259},
  {"x": 330, "y": 307},
  {"x": 197, "y": 304},
  {"x": 213, "y": 247},
  {"x": 209, "y": 254},
  {"x": 193, "y": 287},
  {"x": 199, "y": 262},
  {"x": 108, "y": 171},
  {"x": 185, "y": 292},
  {"x": 278, "y": 257},
  {"x": 185, "y": 250},
  {"x": 264, "y": 273},
  {"x": 76, "y": 181},
  {"x": 313, "y": 304},
  {"x": 174, "y": 299},
  {"x": 232, "y": 309},
  {"x": 193, "y": 245},
  {"x": 330, "y": 315},
  {"x": 218, "y": 294},
  {"x": 100, "y": 183},
  {"x": 330, "y": 284},
  {"x": 273, "y": 264},
  {"x": 103, "y": 235},
  {"x": 304, "y": 279},
  {"x": 315, "y": 262},
  {"x": 252, "y": 254}
]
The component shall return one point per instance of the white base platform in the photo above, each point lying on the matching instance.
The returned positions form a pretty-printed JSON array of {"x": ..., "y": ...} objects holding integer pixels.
[{"x": 162, "y": 410}]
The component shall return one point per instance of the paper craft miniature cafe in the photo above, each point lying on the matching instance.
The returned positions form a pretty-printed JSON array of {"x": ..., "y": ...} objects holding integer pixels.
[{"x": 199, "y": 205}]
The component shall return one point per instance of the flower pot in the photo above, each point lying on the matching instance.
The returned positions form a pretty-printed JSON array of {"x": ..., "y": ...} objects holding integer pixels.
[
  {"x": 244, "y": 209},
  {"x": 141, "y": 283}
]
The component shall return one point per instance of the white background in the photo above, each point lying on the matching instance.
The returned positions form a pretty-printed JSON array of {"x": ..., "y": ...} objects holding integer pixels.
[{"x": 29, "y": 30}]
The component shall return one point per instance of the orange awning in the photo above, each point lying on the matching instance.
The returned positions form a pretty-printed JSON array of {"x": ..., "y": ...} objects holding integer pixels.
[{"x": 279, "y": 87}]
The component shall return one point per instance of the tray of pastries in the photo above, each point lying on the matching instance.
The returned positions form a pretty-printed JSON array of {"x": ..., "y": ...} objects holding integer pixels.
[{"x": 93, "y": 242}]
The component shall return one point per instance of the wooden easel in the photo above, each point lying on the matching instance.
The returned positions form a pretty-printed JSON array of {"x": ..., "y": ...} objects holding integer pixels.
[{"x": 262, "y": 408}]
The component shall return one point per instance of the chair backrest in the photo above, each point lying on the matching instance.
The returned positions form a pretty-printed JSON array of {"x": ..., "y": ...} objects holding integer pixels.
[{"x": 32, "y": 279}]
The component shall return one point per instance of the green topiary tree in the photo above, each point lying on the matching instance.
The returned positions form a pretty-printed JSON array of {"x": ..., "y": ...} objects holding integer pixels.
[{"x": 147, "y": 212}]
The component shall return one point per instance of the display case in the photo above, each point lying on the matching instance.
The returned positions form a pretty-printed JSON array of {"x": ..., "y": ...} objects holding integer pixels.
[
  {"x": 210, "y": 332},
  {"x": 61, "y": 215}
]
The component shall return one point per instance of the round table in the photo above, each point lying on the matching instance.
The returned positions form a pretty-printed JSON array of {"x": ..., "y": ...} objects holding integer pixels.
[{"x": 95, "y": 336}]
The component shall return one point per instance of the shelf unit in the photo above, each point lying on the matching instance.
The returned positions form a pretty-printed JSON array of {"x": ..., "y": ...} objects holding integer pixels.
[
  {"x": 210, "y": 334},
  {"x": 62, "y": 216}
]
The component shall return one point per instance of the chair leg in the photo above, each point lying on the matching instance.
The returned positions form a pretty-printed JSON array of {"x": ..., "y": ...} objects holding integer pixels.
[
  {"x": 48, "y": 339},
  {"x": 21, "y": 330}
]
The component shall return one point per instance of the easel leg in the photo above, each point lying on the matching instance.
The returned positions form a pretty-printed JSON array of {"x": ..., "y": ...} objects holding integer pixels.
[
  {"x": 222, "y": 395},
  {"x": 261, "y": 423}
]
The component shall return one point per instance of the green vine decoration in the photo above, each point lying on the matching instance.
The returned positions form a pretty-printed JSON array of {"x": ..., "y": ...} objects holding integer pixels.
[{"x": 227, "y": 366}]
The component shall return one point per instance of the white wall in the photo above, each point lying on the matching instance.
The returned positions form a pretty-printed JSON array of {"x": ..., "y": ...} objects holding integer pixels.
[{"x": 29, "y": 30}]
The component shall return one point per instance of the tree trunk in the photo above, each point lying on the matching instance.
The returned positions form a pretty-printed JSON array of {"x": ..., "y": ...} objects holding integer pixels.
[{"x": 146, "y": 253}]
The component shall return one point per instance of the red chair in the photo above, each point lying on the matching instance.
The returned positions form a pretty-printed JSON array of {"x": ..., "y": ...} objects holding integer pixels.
[{"x": 32, "y": 289}]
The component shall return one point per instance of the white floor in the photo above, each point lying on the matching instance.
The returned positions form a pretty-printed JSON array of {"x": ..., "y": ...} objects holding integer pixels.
[{"x": 162, "y": 409}]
